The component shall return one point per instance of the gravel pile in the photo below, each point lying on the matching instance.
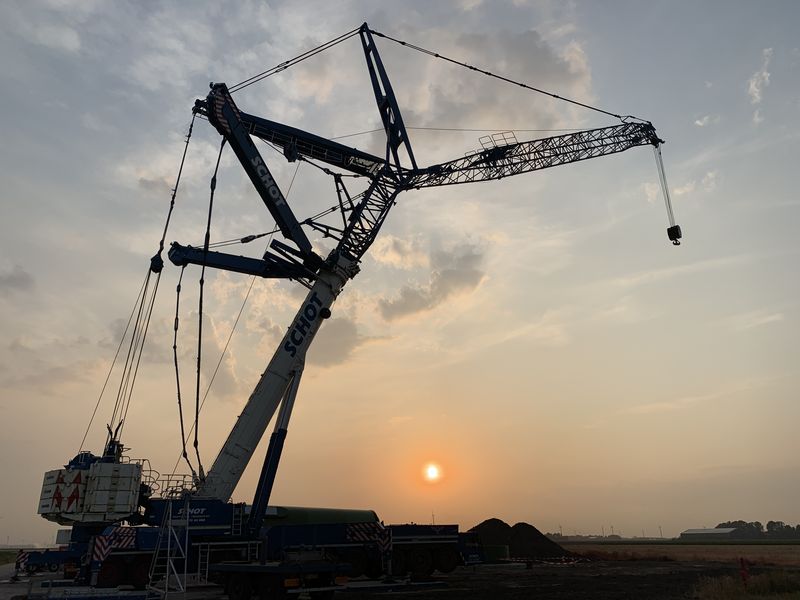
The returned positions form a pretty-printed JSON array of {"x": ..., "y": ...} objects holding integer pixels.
[{"x": 523, "y": 540}]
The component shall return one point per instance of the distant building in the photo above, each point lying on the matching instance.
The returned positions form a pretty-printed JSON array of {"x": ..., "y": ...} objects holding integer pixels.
[{"x": 707, "y": 535}]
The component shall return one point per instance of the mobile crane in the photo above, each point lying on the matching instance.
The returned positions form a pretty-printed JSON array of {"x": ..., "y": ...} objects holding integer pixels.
[{"x": 109, "y": 489}]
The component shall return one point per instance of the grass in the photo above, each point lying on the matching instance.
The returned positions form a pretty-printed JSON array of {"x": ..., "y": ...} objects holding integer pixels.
[
  {"x": 784, "y": 555},
  {"x": 777, "y": 585},
  {"x": 7, "y": 556}
]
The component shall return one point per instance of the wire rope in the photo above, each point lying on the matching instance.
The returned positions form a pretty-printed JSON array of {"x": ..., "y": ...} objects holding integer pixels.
[
  {"x": 292, "y": 61},
  {"x": 213, "y": 186},
  {"x": 145, "y": 328},
  {"x": 113, "y": 363},
  {"x": 457, "y": 129},
  {"x": 501, "y": 77},
  {"x": 184, "y": 454}
]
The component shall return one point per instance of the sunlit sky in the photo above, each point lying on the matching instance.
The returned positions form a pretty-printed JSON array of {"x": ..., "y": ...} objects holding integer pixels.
[{"x": 539, "y": 339}]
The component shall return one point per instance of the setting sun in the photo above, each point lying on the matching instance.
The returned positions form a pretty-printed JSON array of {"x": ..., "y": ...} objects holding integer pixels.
[{"x": 432, "y": 472}]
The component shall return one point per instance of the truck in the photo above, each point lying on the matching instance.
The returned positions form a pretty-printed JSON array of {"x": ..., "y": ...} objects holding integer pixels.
[{"x": 130, "y": 525}]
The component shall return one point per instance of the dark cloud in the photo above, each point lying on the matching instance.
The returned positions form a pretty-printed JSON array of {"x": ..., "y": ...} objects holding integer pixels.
[
  {"x": 455, "y": 96},
  {"x": 50, "y": 378},
  {"x": 336, "y": 341},
  {"x": 15, "y": 280},
  {"x": 452, "y": 273}
]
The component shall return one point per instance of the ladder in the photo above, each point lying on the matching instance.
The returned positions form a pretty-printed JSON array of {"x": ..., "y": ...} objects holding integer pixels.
[
  {"x": 168, "y": 566},
  {"x": 238, "y": 519}
]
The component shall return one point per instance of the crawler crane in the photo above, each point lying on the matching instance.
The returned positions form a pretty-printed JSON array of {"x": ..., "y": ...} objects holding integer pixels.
[{"x": 209, "y": 519}]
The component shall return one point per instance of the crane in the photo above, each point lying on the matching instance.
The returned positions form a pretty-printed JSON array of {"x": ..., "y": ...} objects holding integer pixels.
[
  {"x": 76, "y": 494},
  {"x": 362, "y": 218}
]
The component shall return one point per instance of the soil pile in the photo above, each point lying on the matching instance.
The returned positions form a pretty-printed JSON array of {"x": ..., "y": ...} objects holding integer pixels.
[{"x": 523, "y": 540}]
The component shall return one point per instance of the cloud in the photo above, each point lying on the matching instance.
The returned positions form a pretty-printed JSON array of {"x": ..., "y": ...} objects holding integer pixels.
[
  {"x": 686, "y": 401},
  {"x": 706, "y": 120},
  {"x": 549, "y": 330},
  {"x": 760, "y": 79},
  {"x": 670, "y": 272},
  {"x": 709, "y": 181},
  {"x": 58, "y": 37},
  {"x": 652, "y": 191},
  {"x": 706, "y": 183},
  {"x": 626, "y": 310},
  {"x": 15, "y": 280},
  {"x": 686, "y": 188},
  {"x": 335, "y": 343},
  {"x": 399, "y": 253},
  {"x": 218, "y": 362},
  {"x": 52, "y": 378},
  {"x": 441, "y": 94},
  {"x": 755, "y": 318},
  {"x": 452, "y": 273},
  {"x": 757, "y": 83}
]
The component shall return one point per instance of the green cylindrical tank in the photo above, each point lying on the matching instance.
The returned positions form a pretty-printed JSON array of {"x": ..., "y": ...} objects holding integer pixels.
[
  {"x": 495, "y": 552},
  {"x": 302, "y": 515}
]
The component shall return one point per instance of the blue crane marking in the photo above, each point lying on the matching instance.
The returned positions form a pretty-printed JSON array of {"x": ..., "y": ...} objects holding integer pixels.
[
  {"x": 302, "y": 325},
  {"x": 266, "y": 178}
]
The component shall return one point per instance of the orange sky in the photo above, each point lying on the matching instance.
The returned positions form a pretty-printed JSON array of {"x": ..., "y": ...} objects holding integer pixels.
[{"x": 537, "y": 337}]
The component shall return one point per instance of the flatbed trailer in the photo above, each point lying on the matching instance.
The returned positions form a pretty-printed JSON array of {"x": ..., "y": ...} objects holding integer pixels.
[{"x": 319, "y": 578}]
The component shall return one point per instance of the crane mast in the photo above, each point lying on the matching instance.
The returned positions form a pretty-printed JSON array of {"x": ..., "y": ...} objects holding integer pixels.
[{"x": 362, "y": 218}]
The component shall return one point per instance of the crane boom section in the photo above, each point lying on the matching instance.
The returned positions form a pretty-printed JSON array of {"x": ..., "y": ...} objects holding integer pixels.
[
  {"x": 225, "y": 117},
  {"x": 293, "y": 140},
  {"x": 524, "y": 157},
  {"x": 225, "y": 473}
]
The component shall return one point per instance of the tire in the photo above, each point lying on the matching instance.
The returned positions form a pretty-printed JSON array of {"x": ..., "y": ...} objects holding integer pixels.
[
  {"x": 240, "y": 587},
  {"x": 446, "y": 560},
  {"x": 269, "y": 588},
  {"x": 420, "y": 562},
  {"x": 140, "y": 573},
  {"x": 112, "y": 573},
  {"x": 357, "y": 559},
  {"x": 399, "y": 563}
]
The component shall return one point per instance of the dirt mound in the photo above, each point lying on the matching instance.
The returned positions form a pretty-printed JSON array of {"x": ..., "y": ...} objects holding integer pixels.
[
  {"x": 493, "y": 532},
  {"x": 528, "y": 542},
  {"x": 523, "y": 540}
]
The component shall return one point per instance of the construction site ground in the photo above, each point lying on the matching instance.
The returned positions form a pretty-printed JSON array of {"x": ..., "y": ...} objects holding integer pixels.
[{"x": 597, "y": 579}]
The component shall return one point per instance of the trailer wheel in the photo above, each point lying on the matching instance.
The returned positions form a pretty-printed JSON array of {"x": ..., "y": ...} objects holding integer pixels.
[
  {"x": 240, "y": 587},
  {"x": 420, "y": 562},
  {"x": 357, "y": 559},
  {"x": 399, "y": 563},
  {"x": 111, "y": 573},
  {"x": 140, "y": 573},
  {"x": 446, "y": 560},
  {"x": 269, "y": 587}
]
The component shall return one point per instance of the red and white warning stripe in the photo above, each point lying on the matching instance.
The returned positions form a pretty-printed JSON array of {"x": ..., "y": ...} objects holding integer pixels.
[{"x": 121, "y": 537}]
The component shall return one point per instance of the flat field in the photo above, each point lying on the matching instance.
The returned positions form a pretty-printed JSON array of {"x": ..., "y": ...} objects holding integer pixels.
[{"x": 787, "y": 555}]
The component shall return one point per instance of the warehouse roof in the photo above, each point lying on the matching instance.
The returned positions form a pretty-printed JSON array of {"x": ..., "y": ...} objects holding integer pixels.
[{"x": 715, "y": 531}]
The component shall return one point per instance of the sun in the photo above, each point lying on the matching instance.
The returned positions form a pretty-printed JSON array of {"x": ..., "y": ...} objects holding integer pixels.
[{"x": 432, "y": 472}]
